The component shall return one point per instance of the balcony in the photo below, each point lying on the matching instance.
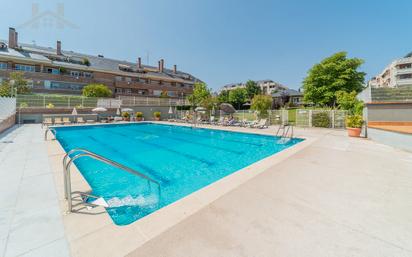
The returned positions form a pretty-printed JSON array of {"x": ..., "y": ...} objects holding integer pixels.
[
  {"x": 404, "y": 71},
  {"x": 48, "y": 76},
  {"x": 404, "y": 82}
]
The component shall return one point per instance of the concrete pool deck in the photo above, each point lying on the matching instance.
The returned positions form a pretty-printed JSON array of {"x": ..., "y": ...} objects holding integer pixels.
[{"x": 335, "y": 196}]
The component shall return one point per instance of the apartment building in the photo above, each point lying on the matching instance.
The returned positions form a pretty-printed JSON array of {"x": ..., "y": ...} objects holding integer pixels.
[
  {"x": 267, "y": 86},
  {"x": 396, "y": 74},
  {"x": 53, "y": 70}
]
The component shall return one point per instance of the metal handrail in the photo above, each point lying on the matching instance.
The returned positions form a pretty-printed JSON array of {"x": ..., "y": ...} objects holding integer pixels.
[
  {"x": 87, "y": 153},
  {"x": 46, "y": 132}
]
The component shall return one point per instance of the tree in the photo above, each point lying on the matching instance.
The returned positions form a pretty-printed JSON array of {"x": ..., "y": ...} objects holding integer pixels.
[
  {"x": 261, "y": 103},
  {"x": 349, "y": 102},
  {"x": 237, "y": 97},
  {"x": 223, "y": 96},
  {"x": 252, "y": 89},
  {"x": 334, "y": 73},
  {"x": 16, "y": 84},
  {"x": 96, "y": 90},
  {"x": 200, "y": 94},
  {"x": 5, "y": 89}
]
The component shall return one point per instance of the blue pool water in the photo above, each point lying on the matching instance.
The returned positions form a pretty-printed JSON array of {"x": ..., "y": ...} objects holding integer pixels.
[{"x": 181, "y": 159}]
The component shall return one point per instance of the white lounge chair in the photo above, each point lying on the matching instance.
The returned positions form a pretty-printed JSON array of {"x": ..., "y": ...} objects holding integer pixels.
[
  {"x": 66, "y": 121},
  {"x": 80, "y": 120},
  {"x": 47, "y": 122},
  {"x": 261, "y": 124},
  {"x": 58, "y": 121}
]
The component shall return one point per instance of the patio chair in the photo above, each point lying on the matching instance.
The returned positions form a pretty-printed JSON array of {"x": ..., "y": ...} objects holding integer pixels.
[
  {"x": 47, "y": 122},
  {"x": 58, "y": 121},
  {"x": 66, "y": 121},
  {"x": 221, "y": 121},
  {"x": 80, "y": 120},
  {"x": 261, "y": 124},
  {"x": 117, "y": 119}
]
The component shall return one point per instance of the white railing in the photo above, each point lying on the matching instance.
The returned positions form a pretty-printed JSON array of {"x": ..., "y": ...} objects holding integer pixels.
[
  {"x": 152, "y": 101},
  {"x": 320, "y": 118},
  {"x": 7, "y": 107}
]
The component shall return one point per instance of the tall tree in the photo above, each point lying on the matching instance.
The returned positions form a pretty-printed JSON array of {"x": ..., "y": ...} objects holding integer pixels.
[
  {"x": 201, "y": 94},
  {"x": 261, "y": 103},
  {"x": 16, "y": 84},
  {"x": 237, "y": 97},
  {"x": 334, "y": 73},
  {"x": 223, "y": 96},
  {"x": 252, "y": 89}
]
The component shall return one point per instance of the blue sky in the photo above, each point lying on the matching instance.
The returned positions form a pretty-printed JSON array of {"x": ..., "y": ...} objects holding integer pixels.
[{"x": 224, "y": 41}]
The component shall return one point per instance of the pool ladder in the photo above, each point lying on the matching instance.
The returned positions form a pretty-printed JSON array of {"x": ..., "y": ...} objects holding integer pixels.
[
  {"x": 285, "y": 131},
  {"x": 51, "y": 130},
  {"x": 86, "y": 153}
]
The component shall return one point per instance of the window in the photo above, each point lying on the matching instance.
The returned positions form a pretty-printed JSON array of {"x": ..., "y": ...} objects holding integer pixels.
[
  {"x": 87, "y": 74},
  {"x": 405, "y": 76},
  {"x": 75, "y": 73},
  {"x": 119, "y": 78},
  {"x": 22, "y": 67},
  {"x": 66, "y": 86},
  {"x": 157, "y": 92},
  {"x": 52, "y": 71},
  {"x": 127, "y": 79},
  {"x": 171, "y": 93},
  {"x": 3, "y": 65}
]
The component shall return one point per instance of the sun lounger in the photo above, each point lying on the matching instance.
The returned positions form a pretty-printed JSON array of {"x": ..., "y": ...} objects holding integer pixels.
[
  {"x": 80, "y": 120},
  {"x": 66, "y": 121},
  {"x": 47, "y": 122},
  {"x": 261, "y": 124},
  {"x": 58, "y": 121},
  {"x": 117, "y": 119}
]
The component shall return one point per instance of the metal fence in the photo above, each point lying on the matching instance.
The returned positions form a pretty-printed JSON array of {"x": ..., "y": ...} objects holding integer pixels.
[
  {"x": 7, "y": 107},
  {"x": 152, "y": 101},
  {"x": 63, "y": 101},
  {"x": 320, "y": 118},
  {"x": 55, "y": 101}
]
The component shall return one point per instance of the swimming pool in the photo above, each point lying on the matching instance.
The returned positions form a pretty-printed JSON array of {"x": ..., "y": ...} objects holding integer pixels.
[{"x": 180, "y": 158}]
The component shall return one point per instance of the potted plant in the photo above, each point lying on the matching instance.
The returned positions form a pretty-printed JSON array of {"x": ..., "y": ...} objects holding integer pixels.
[
  {"x": 126, "y": 116},
  {"x": 139, "y": 116},
  {"x": 156, "y": 116},
  {"x": 354, "y": 125}
]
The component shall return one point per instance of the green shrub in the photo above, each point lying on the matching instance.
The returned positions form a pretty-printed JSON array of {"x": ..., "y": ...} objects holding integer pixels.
[
  {"x": 139, "y": 115},
  {"x": 86, "y": 62},
  {"x": 354, "y": 121},
  {"x": 156, "y": 114},
  {"x": 50, "y": 106},
  {"x": 96, "y": 90},
  {"x": 24, "y": 105},
  {"x": 321, "y": 120},
  {"x": 126, "y": 115}
]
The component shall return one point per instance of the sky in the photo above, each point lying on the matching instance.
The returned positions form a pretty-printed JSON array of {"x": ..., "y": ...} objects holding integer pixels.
[{"x": 224, "y": 41}]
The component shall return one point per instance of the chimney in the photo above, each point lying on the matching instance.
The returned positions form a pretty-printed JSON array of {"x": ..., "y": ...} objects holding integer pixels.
[
  {"x": 162, "y": 65},
  {"x": 139, "y": 63},
  {"x": 12, "y": 35},
  {"x": 175, "y": 69},
  {"x": 16, "y": 39},
  {"x": 59, "y": 47},
  {"x": 158, "y": 66}
]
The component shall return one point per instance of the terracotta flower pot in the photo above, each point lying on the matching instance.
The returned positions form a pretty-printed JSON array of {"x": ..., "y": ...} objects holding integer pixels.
[
  {"x": 354, "y": 132},
  {"x": 138, "y": 118},
  {"x": 157, "y": 118}
]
